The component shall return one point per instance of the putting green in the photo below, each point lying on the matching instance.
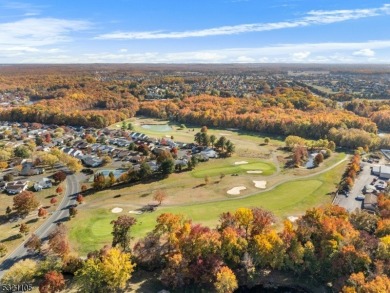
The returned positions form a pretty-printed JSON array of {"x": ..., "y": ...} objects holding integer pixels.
[{"x": 218, "y": 167}]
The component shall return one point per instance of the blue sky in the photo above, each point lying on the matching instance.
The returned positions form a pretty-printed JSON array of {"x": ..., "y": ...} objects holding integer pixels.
[{"x": 189, "y": 31}]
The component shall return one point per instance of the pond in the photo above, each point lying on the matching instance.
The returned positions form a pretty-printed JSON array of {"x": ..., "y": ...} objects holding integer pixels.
[
  {"x": 157, "y": 127},
  {"x": 310, "y": 161}
]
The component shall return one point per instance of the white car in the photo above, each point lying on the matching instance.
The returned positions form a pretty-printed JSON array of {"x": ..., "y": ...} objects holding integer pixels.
[{"x": 361, "y": 197}]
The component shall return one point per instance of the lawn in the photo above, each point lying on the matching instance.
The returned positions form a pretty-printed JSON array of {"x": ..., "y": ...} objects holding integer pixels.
[{"x": 92, "y": 229}]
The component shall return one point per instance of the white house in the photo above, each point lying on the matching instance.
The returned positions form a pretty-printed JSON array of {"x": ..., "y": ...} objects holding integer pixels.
[{"x": 43, "y": 183}]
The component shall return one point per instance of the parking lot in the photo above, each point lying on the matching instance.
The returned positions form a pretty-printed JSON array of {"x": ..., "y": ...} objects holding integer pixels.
[{"x": 365, "y": 177}]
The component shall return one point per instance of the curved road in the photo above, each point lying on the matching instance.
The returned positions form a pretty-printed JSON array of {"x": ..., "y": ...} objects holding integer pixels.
[{"x": 59, "y": 215}]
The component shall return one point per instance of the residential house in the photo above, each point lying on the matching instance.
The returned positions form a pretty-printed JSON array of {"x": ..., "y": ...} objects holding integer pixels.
[
  {"x": 43, "y": 183},
  {"x": 29, "y": 170},
  {"x": 90, "y": 161},
  {"x": 16, "y": 187}
]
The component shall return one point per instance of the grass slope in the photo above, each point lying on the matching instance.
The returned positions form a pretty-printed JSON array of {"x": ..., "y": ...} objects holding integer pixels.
[{"x": 92, "y": 229}]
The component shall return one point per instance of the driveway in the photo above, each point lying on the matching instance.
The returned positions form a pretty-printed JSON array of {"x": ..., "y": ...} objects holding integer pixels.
[{"x": 61, "y": 214}]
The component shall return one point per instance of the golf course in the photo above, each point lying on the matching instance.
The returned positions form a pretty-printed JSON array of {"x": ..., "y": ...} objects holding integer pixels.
[{"x": 289, "y": 192}]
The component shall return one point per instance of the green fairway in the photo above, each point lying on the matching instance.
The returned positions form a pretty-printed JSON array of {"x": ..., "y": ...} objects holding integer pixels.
[
  {"x": 92, "y": 229},
  {"x": 227, "y": 167}
]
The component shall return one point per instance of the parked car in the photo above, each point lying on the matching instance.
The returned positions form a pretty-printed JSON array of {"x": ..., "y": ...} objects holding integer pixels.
[
  {"x": 87, "y": 171},
  {"x": 361, "y": 197}
]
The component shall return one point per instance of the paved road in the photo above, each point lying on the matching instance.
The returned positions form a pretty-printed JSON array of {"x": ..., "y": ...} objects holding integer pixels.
[
  {"x": 350, "y": 203},
  {"x": 61, "y": 214}
]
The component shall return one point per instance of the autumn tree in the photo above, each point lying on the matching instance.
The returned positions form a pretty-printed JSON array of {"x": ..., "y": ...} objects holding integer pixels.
[
  {"x": 58, "y": 241},
  {"x": 3, "y": 249},
  {"x": 121, "y": 231},
  {"x": 3, "y": 165},
  {"x": 49, "y": 159},
  {"x": 53, "y": 282},
  {"x": 22, "y": 151},
  {"x": 24, "y": 203},
  {"x": 107, "y": 272},
  {"x": 80, "y": 198},
  {"x": 72, "y": 212},
  {"x": 99, "y": 181},
  {"x": 111, "y": 179},
  {"x": 106, "y": 160},
  {"x": 318, "y": 159},
  {"x": 268, "y": 250},
  {"x": 59, "y": 190},
  {"x": 23, "y": 271},
  {"x": 59, "y": 176},
  {"x": 84, "y": 188},
  {"x": 53, "y": 201},
  {"x": 33, "y": 244},
  {"x": 42, "y": 213},
  {"x": 24, "y": 229},
  {"x": 226, "y": 281},
  {"x": 160, "y": 196}
]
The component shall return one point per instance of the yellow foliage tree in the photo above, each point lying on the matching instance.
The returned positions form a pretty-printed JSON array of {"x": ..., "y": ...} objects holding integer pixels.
[
  {"x": 226, "y": 281},
  {"x": 117, "y": 268}
]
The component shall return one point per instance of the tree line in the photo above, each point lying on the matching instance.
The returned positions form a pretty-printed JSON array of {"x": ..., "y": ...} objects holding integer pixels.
[
  {"x": 251, "y": 114},
  {"x": 326, "y": 246}
]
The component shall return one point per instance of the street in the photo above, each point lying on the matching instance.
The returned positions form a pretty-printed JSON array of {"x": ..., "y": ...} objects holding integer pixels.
[{"x": 61, "y": 214}]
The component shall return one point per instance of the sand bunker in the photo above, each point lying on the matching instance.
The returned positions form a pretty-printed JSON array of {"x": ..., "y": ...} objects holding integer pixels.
[
  {"x": 254, "y": 172},
  {"x": 241, "y": 163},
  {"x": 260, "y": 184},
  {"x": 224, "y": 134},
  {"x": 292, "y": 218},
  {"x": 116, "y": 210},
  {"x": 236, "y": 190},
  {"x": 135, "y": 212}
]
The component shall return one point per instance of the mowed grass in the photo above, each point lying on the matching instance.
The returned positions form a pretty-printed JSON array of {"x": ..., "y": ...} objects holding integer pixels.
[
  {"x": 91, "y": 229},
  {"x": 227, "y": 166}
]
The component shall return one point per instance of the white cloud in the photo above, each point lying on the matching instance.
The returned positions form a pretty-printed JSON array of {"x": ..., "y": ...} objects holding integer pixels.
[
  {"x": 28, "y": 8},
  {"x": 245, "y": 59},
  {"x": 364, "y": 53},
  {"x": 299, "y": 56},
  {"x": 317, "y": 17},
  {"x": 123, "y": 50},
  {"x": 282, "y": 53},
  {"x": 39, "y": 31}
]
